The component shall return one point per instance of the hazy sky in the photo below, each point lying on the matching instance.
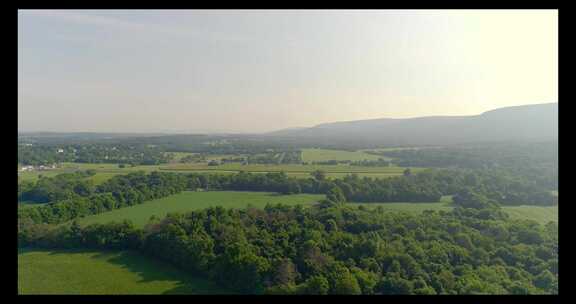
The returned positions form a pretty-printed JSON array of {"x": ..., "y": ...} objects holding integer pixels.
[{"x": 255, "y": 71}]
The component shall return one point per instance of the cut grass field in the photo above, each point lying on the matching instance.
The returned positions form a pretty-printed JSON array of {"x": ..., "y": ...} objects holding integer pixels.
[
  {"x": 542, "y": 215},
  {"x": 311, "y": 155},
  {"x": 89, "y": 272},
  {"x": 189, "y": 200}
]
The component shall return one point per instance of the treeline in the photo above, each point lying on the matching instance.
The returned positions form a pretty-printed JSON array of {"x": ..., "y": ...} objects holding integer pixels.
[
  {"x": 60, "y": 187},
  {"x": 92, "y": 153},
  {"x": 480, "y": 156},
  {"x": 277, "y": 158},
  {"x": 118, "y": 192},
  {"x": 336, "y": 250},
  {"x": 361, "y": 163},
  {"x": 428, "y": 186},
  {"x": 497, "y": 187}
]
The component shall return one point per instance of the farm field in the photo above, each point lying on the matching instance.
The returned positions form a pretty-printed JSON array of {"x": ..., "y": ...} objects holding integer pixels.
[
  {"x": 397, "y": 149},
  {"x": 106, "y": 171},
  {"x": 343, "y": 169},
  {"x": 189, "y": 200},
  {"x": 542, "y": 215},
  {"x": 537, "y": 213},
  {"x": 89, "y": 272},
  {"x": 310, "y": 155}
]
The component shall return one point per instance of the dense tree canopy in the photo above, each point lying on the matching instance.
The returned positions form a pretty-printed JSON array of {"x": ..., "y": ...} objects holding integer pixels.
[{"x": 336, "y": 250}]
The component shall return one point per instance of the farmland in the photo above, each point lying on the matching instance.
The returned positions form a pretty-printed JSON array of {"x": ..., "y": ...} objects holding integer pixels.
[
  {"x": 312, "y": 155},
  {"x": 89, "y": 272},
  {"x": 257, "y": 168},
  {"x": 188, "y": 200},
  {"x": 542, "y": 215},
  {"x": 106, "y": 171}
]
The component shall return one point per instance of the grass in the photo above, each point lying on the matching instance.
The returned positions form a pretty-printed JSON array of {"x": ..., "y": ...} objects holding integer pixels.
[
  {"x": 89, "y": 272},
  {"x": 289, "y": 168},
  {"x": 188, "y": 200},
  {"x": 542, "y": 215},
  {"x": 310, "y": 155},
  {"x": 106, "y": 171}
]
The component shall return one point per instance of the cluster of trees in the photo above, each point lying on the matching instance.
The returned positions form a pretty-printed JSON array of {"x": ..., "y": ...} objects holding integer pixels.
[
  {"x": 426, "y": 186},
  {"x": 335, "y": 249},
  {"x": 480, "y": 156},
  {"x": 277, "y": 158},
  {"x": 36, "y": 155},
  {"x": 292, "y": 157},
  {"x": 73, "y": 197},
  {"x": 61, "y": 187},
  {"x": 372, "y": 163},
  {"x": 502, "y": 186},
  {"x": 92, "y": 153},
  {"x": 193, "y": 158},
  {"x": 362, "y": 163},
  {"x": 118, "y": 192}
]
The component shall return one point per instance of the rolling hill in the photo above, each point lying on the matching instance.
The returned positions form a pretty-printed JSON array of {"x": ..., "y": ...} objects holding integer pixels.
[{"x": 520, "y": 123}]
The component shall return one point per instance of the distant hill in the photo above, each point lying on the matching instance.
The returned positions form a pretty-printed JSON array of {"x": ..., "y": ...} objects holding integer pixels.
[{"x": 517, "y": 124}]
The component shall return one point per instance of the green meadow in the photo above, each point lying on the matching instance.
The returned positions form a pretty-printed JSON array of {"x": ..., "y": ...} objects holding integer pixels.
[
  {"x": 189, "y": 200},
  {"x": 87, "y": 272}
]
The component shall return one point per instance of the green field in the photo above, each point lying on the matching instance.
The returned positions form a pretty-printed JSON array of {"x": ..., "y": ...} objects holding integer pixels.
[
  {"x": 106, "y": 171},
  {"x": 292, "y": 168},
  {"x": 311, "y": 155},
  {"x": 103, "y": 272},
  {"x": 542, "y": 215},
  {"x": 188, "y": 200}
]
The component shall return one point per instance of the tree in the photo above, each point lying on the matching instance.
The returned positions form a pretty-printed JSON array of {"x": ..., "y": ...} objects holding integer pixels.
[
  {"x": 545, "y": 280},
  {"x": 342, "y": 281},
  {"x": 335, "y": 195},
  {"x": 315, "y": 285},
  {"x": 319, "y": 175},
  {"x": 285, "y": 272},
  {"x": 394, "y": 285},
  {"x": 407, "y": 172}
]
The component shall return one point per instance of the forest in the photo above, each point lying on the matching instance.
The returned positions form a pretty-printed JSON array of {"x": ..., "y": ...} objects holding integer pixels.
[
  {"x": 336, "y": 249},
  {"x": 30, "y": 154}
]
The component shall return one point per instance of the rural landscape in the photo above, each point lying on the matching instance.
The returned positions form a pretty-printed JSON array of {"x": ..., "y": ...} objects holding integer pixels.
[{"x": 432, "y": 205}]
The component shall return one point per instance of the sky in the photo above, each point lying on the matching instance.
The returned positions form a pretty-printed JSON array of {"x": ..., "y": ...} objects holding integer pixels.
[{"x": 256, "y": 71}]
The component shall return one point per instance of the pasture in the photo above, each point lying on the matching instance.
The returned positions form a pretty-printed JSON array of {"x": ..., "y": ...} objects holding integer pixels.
[
  {"x": 189, "y": 200},
  {"x": 311, "y": 155},
  {"x": 106, "y": 171},
  {"x": 542, "y": 215},
  {"x": 295, "y": 170},
  {"x": 87, "y": 272}
]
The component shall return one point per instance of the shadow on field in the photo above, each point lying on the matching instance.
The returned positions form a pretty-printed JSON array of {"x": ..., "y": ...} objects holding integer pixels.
[{"x": 150, "y": 270}]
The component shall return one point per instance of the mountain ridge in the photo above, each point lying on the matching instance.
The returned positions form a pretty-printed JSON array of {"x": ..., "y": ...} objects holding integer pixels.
[{"x": 516, "y": 123}]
